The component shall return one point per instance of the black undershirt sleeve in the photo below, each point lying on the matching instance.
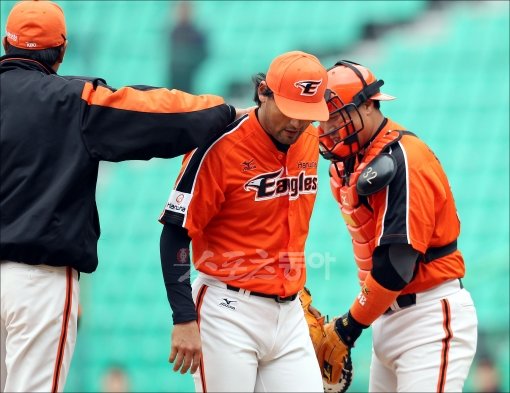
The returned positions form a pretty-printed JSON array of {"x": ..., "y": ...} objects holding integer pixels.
[{"x": 175, "y": 263}]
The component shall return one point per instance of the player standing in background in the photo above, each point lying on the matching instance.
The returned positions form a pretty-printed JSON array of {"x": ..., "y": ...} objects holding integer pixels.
[
  {"x": 396, "y": 201},
  {"x": 55, "y": 130},
  {"x": 244, "y": 201}
]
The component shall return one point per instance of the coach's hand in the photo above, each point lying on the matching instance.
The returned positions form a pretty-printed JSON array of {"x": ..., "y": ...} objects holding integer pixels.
[
  {"x": 243, "y": 111},
  {"x": 186, "y": 347}
]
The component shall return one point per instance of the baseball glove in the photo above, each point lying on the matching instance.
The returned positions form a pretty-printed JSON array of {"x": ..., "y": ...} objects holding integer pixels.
[
  {"x": 314, "y": 319},
  {"x": 335, "y": 361},
  {"x": 332, "y": 354},
  {"x": 345, "y": 379}
]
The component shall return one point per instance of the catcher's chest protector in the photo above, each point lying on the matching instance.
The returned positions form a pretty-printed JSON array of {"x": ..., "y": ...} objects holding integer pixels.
[{"x": 357, "y": 216}]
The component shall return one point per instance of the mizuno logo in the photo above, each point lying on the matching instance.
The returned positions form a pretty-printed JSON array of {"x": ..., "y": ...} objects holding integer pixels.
[
  {"x": 308, "y": 88},
  {"x": 248, "y": 165},
  {"x": 273, "y": 185},
  {"x": 226, "y": 303}
]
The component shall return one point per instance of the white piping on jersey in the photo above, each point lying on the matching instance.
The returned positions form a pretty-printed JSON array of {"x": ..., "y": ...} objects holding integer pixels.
[
  {"x": 407, "y": 198},
  {"x": 407, "y": 191},
  {"x": 384, "y": 216},
  {"x": 385, "y": 211},
  {"x": 186, "y": 167},
  {"x": 202, "y": 160}
]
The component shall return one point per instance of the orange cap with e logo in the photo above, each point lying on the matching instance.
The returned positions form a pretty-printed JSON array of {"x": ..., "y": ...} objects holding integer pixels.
[
  {"x": 36, "y": 25},
  {"x": 298, "y": 81}
]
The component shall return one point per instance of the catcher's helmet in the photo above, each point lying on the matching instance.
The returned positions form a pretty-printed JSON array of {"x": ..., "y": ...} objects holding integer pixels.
[{"x": 349, "y": 85}]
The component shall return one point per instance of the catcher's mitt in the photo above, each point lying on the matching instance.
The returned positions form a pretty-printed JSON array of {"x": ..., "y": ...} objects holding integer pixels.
[
  {"x": 335, "y": 361},
  {"x": 345, "y": 379},
  {"x": 332, "y": 354}
]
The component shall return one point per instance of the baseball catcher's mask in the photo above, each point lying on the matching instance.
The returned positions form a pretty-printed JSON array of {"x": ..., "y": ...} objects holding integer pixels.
[
  {"x": 349, "y": 86},
  {"x": 338, "y": 137}
]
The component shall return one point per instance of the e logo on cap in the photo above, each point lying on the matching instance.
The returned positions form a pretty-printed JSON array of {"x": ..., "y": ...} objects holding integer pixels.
[{"x": 308, "y": 88}]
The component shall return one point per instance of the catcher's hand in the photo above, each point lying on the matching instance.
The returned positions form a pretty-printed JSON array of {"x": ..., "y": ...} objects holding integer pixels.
[{"x": 334, "y": 360}]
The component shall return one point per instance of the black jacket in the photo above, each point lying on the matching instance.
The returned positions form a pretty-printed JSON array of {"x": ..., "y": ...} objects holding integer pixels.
[{"x": 53, "y": 133}]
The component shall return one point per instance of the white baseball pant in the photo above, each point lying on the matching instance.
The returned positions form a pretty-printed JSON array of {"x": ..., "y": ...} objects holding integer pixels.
[
  {"x": 39, "y": 324},
  {"x": 427, "y": 347},
  {"x": 251, "y": 343}
]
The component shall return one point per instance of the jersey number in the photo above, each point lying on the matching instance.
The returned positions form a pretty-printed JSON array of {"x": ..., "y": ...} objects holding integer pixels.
[{"x": 369, "y": 174}]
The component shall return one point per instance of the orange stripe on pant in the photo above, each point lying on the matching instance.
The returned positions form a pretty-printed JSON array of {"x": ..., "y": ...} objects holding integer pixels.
[
  {"x": 446, "y": 345},
  {"x": 63, "y": 331},
  {"x": 200, "y": 298}
]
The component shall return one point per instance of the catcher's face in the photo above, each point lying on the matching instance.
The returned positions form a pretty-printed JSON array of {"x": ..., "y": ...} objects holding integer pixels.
[
  {"x": 282, "y": 128},
  {"x": 338, "y": 136}
]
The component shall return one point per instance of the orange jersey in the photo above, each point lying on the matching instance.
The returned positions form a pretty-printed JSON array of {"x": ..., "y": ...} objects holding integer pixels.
[
  {"x": 418, "y": 208},
  {"x": 247, "y": 205}
]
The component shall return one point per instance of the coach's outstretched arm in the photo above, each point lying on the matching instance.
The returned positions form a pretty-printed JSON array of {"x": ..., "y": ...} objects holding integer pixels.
[
  {"x": 142, "y": 122},
  {"x": 186, "y": 346}
]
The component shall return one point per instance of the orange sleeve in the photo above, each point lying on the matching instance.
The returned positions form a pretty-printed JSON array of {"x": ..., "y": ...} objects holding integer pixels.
[
  {"x": 143, "y": 122},
  {"x": 147, "y": 99},
  {"x": 199, "y": 191},
  {"x": 207, "y": 197},
  {"x": 372, "y": 301}
]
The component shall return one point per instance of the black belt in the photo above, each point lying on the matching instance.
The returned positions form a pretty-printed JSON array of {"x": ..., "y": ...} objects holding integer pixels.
[
  {"x": 276, "y": 298},
  {"x": 439, "y": 252},
  {"x": 409, "y": 299}
]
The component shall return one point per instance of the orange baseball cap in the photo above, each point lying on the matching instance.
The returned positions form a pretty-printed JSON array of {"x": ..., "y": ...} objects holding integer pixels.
[
  {"x": 36, "y": 25},
  {"x": 298, "y": 81}
]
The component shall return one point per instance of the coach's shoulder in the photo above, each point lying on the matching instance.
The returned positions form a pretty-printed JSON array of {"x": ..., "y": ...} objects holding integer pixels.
[
  {"x": 92, "y": 79},
  {"x": 82, "y": 80}
]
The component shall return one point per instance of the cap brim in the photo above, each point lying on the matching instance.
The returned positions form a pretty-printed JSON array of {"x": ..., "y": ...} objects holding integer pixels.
[
  {"x": 382, "y": 97},
  {"x": 312, "y": 111}
]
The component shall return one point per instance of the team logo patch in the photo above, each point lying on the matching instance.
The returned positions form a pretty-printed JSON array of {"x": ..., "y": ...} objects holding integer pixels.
[
  {"x": 309, "y": 87},
  {"x": 274, "y": 184},
  {"x": 178, "y": 202},
  {"x": 183, "y": 255}
]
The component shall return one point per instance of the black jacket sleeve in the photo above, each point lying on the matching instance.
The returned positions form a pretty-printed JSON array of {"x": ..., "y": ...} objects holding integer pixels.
[
  {"x": 142, "y": 122},
  {"x": 175, "y": 263}
]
